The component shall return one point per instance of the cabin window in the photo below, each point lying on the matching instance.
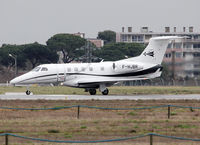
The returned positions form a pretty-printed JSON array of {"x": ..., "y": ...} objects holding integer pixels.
[
  {"x": 36, "y": 69},
  {"x": 91, "y": 68},
  {"x": 102, "y": 68},
  {"x": 114, "y": 66},
  {"x": 69, "y": 69},
  {"x": 75, "y": 69},
  {"x": 44, "y": 69},
  {"x": 82, "y": 69}
]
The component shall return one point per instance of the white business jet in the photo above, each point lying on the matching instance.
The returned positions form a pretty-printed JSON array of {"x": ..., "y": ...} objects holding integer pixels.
[{"x": 92, "y": 76}]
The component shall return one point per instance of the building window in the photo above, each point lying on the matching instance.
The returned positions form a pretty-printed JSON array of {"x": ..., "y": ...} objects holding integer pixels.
[
  {"x": 196, "y": 45},
  {"x": 140, "y": 38},
  {"x": 187, "y": 45},
  {"x": 177, "y": 45},
  {"x": 169, "y": 45},
  {"x": 196, "y": 37},
  {"x": 183, "y": 54},
  {"x": 168, "y": 55},
  {"x": 134, "y": 38},
  {"x": 196, "y": 73},
  {"x": 75, "y": 69},
  {"x": 124, "y": 38},
  {"x": 68, "y": 69},
  {"x": 102, "y": 68},
  {"x": 178, "y": 54},
  {"x": 196, "y": 65},
  {"x": 196, "y": 54},
  {"x": 91, "y": 68}
]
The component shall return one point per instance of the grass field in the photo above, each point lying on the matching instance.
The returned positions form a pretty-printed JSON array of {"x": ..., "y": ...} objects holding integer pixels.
[
  {"x": 99, "y": 124},
  {"x": 115, "y": 90}
]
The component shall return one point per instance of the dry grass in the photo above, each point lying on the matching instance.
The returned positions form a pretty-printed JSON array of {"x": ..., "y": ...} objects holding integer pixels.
[{"x": 99, "y": 124}]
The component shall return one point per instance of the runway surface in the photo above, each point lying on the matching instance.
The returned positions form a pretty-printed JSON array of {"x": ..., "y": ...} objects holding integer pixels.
[{"x": 22, "y": 96}]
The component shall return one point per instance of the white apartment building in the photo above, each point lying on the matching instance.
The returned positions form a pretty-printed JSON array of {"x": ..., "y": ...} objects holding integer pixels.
[{"x": 181, "y": 57}]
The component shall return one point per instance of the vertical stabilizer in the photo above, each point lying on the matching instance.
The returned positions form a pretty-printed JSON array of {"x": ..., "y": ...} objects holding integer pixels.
[{"x": 155, "y": 50}]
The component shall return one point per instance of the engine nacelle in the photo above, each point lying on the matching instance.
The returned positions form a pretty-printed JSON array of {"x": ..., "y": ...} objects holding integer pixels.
[{"x": 71, "y": 81}]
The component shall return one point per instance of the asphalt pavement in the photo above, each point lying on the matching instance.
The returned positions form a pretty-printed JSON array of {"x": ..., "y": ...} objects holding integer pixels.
[{"x": 23, "y": 96}]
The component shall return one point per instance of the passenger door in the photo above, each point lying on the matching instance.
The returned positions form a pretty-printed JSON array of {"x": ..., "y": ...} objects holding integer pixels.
[{"x": 61, "y": 74}]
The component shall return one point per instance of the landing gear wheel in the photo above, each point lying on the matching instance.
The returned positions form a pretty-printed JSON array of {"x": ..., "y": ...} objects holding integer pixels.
[
  {"x": 92, "y": 91},
  {"x": 28, "y": 92},
  {"x": 105, "y": 92}
]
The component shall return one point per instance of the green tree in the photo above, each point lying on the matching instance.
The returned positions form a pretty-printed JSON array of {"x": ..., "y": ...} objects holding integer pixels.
[
  {"x": 15, "y": 50},
  {"x": 108, "y": 36},
  {"x": 165, "y": 72},
  {"x": 68, "y": 44},
  {"x": 117, "y": 51},
  {"x": 38, "y": 54}
]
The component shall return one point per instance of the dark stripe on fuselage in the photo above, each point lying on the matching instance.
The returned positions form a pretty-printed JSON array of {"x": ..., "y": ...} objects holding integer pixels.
[
  {"x": 143, "y": 72},
  {"x": 139, "y": 73}
]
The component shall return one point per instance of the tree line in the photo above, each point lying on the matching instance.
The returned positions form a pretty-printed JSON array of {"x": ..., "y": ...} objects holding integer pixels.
[{"x": 69, "y": 45}]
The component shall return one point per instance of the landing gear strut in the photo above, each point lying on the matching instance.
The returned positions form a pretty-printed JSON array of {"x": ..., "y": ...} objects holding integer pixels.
[
  {"x": 92, "y": 91},
  {"x": 105, "y": 92}
]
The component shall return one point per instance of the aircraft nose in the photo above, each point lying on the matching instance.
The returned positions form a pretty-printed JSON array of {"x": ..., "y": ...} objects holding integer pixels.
[
  {"x": 23, "y": 79},
  {"x": 13, "y": 81},
  {"x": 16, "y": 80}
]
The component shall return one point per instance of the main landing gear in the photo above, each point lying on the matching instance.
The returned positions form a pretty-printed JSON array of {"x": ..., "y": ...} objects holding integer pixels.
[
  {"x": 105, "y": 92},
  {"x": 93, "y": 91}
]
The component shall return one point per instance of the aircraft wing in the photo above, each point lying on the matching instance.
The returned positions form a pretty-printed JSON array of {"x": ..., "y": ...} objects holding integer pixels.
[{"x": 98, "y": 80}]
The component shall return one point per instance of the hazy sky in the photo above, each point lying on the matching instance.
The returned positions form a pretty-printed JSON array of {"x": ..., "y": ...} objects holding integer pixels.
[{"x": 25, "y": 21}]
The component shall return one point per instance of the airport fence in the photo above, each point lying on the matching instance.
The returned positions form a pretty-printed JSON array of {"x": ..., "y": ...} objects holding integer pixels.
[
  {"x": 150, "y": 135},
  {"x": 106, "y": 108}
]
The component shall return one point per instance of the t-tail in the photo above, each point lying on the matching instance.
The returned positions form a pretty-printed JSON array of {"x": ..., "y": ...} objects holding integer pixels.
[{"x": 155, "y": 50}]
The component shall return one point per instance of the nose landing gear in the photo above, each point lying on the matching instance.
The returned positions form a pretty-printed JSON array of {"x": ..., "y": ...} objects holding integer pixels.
[{"x": 28, "y": 92}]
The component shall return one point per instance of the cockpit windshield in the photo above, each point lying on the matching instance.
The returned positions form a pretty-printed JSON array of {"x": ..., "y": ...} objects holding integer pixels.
[
  {"x": 44, "y": 69},
  {"x": 36, "y": 69}
]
